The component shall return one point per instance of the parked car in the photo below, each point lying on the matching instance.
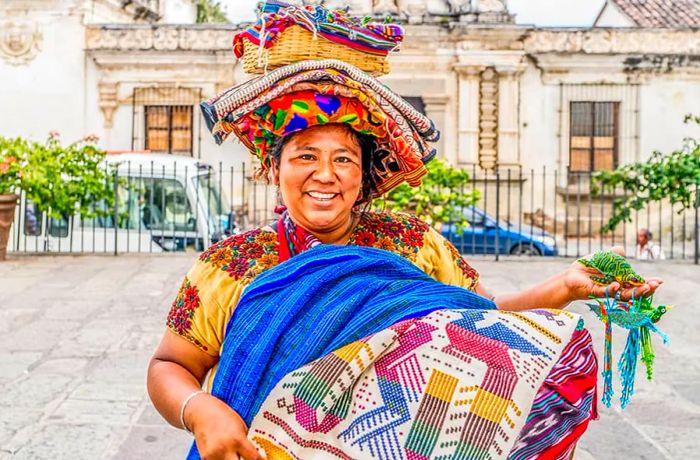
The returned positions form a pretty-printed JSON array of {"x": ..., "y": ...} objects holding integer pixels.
[
  {"x": 486, "y": 235},
  {"x": 164, "y": 203}
]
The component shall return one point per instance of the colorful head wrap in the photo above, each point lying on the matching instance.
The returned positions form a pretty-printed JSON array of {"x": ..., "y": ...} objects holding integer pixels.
[{"x": 311, "y": 93}]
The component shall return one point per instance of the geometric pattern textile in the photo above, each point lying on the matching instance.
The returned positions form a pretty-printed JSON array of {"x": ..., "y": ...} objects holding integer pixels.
[{"x": 454, "y": 384}]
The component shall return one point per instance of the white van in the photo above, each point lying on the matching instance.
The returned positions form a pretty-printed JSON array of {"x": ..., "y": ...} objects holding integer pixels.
[{"x": 163, "y": 203}]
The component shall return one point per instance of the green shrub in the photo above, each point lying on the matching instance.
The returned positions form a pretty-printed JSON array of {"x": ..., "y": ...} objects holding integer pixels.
[
  {"x": 440, "y": 198},
  {"x": 674, "y": 176}
]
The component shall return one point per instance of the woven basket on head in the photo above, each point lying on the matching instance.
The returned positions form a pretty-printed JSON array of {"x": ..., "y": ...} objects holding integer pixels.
[{"x": 297, "y": 44}]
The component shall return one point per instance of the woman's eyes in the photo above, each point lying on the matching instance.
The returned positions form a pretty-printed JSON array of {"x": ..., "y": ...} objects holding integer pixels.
[{"x": 311, "y": 157}]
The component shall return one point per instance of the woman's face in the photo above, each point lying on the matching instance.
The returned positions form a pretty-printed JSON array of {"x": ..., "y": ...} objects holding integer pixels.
[{"x": 320, "y": 177}]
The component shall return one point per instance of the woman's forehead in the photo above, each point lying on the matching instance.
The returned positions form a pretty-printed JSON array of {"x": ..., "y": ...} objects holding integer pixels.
[{"x": 326, "y": 133}]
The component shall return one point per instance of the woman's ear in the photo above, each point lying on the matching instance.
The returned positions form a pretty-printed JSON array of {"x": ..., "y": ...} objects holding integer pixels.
[{"x": 274, "y": 173}]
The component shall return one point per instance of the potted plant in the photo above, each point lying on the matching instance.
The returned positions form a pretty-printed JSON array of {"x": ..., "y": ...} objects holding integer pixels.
[
  {"x": 59, "y": 180},
  {"x": 9, "y": 184}
]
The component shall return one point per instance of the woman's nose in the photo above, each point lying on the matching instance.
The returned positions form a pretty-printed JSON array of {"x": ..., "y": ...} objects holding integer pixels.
[{"x": 324, "y": 171}]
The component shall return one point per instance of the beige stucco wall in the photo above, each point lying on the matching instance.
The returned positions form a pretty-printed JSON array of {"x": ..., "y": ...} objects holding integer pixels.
[
  {"x": 48, "y": 92},
  {"x": 665, "y": 101}
]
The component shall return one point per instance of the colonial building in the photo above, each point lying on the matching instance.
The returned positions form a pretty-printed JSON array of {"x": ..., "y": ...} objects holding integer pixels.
[{"x": 506, "y": 96}]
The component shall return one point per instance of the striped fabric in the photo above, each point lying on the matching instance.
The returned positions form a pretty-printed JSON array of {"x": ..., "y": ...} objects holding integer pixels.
[{"x": 564, "y": 406}]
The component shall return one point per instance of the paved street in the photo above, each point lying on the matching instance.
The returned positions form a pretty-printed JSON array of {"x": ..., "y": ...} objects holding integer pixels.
[{"x": 76, "y": 334}]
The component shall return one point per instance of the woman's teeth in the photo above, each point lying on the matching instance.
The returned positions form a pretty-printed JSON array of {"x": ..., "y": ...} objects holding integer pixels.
[{"x": 322, "y": 196}]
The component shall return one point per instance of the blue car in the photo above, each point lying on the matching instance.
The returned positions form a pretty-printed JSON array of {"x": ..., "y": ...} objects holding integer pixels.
[{"x": 485, "y": 235}]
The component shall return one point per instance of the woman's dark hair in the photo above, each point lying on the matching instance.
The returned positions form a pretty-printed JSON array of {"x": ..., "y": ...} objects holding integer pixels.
[{"x": 367, "y": 146}]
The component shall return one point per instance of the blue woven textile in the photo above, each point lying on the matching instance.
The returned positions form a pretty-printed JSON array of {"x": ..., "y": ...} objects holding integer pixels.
[{"x": 315, "y": 303}]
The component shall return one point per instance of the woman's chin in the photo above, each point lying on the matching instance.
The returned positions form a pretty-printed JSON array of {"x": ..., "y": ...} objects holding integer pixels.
[{"x": 321, "y": 220}]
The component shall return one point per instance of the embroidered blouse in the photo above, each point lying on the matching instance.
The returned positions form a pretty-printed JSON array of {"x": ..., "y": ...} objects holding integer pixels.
[{"x": 211, "y": 290}]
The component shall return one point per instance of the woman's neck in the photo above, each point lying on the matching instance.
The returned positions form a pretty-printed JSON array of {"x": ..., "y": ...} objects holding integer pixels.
[{"x": 340, "y": 235}]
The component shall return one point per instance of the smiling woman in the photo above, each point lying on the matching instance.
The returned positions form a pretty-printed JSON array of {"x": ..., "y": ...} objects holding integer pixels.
[{"x": 336, "y": 331}]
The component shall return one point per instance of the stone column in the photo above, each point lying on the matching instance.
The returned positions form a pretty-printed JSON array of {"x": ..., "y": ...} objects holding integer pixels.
[
  {"x": 508, "y": 116},
  {"x": 488, "y": 119},
  {"x": 468, "y": 114},
  {"x": 436, "y": 110}
]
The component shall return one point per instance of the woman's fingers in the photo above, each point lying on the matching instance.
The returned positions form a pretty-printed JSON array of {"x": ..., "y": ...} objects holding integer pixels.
[
  {"x": 248, "y": 451},
  {"x": 628, "y": 293},
  {"x": 638, "y": 291},
  {"x": 601, "y": 291}
]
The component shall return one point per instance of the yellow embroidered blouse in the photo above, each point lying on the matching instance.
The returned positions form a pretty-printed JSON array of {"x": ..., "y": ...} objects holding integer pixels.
[{"x": 211, "y": 290}]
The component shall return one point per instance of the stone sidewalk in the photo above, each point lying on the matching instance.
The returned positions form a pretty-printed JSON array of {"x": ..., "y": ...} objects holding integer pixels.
[{"x": 76, "y": 334}]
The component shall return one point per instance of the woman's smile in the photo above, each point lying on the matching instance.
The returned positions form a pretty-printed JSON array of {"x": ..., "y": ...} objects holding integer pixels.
[{"x": 323, "y": 197}]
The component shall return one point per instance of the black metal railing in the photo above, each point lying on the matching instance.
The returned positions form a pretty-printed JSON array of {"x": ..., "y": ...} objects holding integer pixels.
[{"x": 171, "y": 203}]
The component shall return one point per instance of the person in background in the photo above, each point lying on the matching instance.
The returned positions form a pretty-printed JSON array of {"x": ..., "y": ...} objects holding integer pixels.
[{"x": 646, "y": 248}]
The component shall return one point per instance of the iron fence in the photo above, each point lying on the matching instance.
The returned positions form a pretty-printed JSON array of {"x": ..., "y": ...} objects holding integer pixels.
[{"x": 170, "y": 203}]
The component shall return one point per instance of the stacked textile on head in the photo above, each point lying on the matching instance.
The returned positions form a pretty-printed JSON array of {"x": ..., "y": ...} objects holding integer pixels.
[
  {"x": 356, "y": 34},
  {"x": 309, "y": 93}
]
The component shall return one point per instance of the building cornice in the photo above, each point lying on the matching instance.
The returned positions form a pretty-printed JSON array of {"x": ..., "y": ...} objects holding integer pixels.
[
  {"x": 191, "y": 37},
  {"x": 613, "y": 41}
]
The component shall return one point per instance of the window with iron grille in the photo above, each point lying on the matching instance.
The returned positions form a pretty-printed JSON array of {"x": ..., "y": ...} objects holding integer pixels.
[
  {"x": 169, "y": 128},
  {"x": 594, "y": 136}
]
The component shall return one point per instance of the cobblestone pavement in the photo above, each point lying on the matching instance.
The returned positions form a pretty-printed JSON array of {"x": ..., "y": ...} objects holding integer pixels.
[{"x": 76, "y": 334}]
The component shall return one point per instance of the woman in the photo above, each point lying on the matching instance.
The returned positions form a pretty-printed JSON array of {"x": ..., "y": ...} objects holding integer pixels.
[{"x": 331, "y": 138}]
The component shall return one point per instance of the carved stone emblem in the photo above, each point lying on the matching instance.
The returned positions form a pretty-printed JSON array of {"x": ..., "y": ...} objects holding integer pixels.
[
  {"x": 19, "y": 43},
  {"x": 492, "y": 6}
]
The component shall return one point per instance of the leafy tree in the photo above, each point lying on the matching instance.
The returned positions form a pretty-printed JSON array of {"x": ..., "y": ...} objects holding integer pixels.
[
  {"x": 210, "y": 11},
  {"x": 60, "y": 180},
  {"x": 674, "y": 176},
  {"x": 440, "y": 198}
]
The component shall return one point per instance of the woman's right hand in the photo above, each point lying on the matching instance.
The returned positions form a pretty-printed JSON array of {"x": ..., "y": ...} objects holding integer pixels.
[{"x": 220, "y": 433}]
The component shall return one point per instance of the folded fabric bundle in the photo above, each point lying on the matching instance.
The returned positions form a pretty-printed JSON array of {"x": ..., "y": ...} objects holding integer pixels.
[
  {"x": 275, "y": 17},
  {"x": 352, "y": 352},
  {"x": 310, "y": 93}
]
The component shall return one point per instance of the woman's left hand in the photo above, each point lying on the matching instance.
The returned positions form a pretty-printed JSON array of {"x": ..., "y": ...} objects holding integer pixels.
[{"x": 577, "y": 279}]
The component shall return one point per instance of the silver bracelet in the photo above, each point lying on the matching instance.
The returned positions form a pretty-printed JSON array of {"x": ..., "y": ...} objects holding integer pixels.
[{"x": 184, "y": 406}]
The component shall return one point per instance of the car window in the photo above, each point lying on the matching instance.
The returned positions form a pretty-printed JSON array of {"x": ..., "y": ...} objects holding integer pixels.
[
  {"x": 33, "y": 219},
  {"x": 213, "y": 199},
  {"x": 474, "y": 218},
  {"x": 58, "y": 227},
  {"x": 149, "y": 203},
  {"x": 164, "y": 205}
]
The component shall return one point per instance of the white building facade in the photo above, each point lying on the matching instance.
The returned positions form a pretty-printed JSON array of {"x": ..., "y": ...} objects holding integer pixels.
[{"x": 505, "y": 96}]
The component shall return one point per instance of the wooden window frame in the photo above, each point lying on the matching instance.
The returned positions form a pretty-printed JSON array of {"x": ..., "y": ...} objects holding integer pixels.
[
  {"x": 169, "y": 111},
  {"x": 592, "y": 135}
]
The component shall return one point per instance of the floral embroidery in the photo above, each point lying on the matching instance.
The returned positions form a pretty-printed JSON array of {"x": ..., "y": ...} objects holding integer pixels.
[
  {"x": 244, "y": 256},
  {"x": 365, "y": 238},
  {"x": 399, "y": 233},
  {"x": 182, "y": 311},
  {"x": 467, "y": 269}
]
